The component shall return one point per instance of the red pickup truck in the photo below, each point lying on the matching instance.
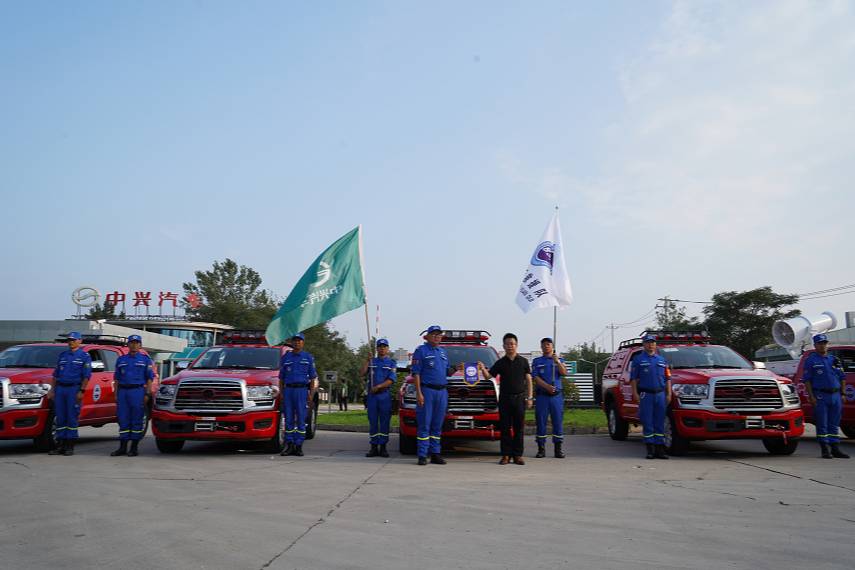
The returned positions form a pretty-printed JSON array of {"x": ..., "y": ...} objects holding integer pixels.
[
  {"x": 26, "y": 378},
  {"x": 229, "y": 393},
  {"x": 716, "y": 394}
]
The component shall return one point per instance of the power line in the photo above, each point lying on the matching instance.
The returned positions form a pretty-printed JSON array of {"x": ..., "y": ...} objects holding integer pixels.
[
  {"x": 826, "y": 290},
  {"x": 824, "y": 296}
]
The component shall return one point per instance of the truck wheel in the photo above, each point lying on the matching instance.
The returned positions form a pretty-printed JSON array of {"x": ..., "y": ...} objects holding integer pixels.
[
  {"x": 848, "y": 431},
  {"x": 45, "y": 440},
  {"x": 312, "y": 421},
  {"x": 674, "y": 442},
  {"x": 169, "y": 445},
  {"x": 776, "y": 445},
  {"x": 618, "y": 427},
  {"x": 406, "y": 444},
  {"x": 277, "y": 442}
]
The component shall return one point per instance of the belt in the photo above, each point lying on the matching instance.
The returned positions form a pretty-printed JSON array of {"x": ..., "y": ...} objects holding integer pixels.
[
  {"x": 293, "y": 385},
  {"x": 827, "y": 390},
  {"x": 514, "y": 395},
  {"x": 651, "y": 391},
  {"x": 64, "y": 385},
  {"x": 434, "y": 386},
  {"x": 129, "y": 386},
  {"x": 542, "y": 393}
]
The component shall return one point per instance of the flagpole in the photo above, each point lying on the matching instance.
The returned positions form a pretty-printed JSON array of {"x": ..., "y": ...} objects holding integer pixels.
[
  {"x": 365, "y": 294},
  {"x": 555, "y": 312}
]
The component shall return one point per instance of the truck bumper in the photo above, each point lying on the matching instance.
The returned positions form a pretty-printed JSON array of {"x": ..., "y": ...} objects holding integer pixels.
[
  {"x": 455, "y": 426},
  {"x": 702, "y": 424},
  {"x": 250, "y": 426},
  {"x": 22, "y": 424}
]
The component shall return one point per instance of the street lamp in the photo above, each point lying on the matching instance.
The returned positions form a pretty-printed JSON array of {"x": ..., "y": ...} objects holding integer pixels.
[{"x": 596, "y": 382}]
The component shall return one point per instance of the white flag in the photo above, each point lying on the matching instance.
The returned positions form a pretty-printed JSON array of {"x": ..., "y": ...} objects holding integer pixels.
[{"x": 546, "y": 283}]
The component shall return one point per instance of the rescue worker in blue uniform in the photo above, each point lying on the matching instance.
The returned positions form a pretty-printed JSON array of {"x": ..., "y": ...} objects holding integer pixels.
[
  {"x": 298, "y": 381},
  {"x": 430, "y": 370},
  {"x": 651, "y": 388},
  {"x": 378, "y": 403},
  {"x": 70, "y": 378},
  {"x": 549, "y": 397},
  {"x": 824, "y": 379},
  {"x": 133, "y": 377}
]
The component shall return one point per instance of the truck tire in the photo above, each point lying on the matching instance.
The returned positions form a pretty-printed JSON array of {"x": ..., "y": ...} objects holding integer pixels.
[
  {"x": 848, "y": 431},
  {"x": 169, "y": 445},
  {"x": 618, "y": 427},
  {"x": 676, "y": 444},
  {"x": 406, "y": 444},
  {"x": 46, "y": 440},
  {"x": 312, "y": 421},
  {"x": 776, "y": 445},
  {"x": 277, "y": 443}
]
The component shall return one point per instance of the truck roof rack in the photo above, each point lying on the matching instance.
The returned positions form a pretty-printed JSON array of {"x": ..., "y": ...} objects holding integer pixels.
[
  {"x": 463, "y": 336},
  {"x": 670, "y": 337},
  {"x": 106, "y": 339}
]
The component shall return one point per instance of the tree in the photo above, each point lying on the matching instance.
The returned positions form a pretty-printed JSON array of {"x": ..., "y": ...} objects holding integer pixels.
[
  {"x": 743, "y": 320},
  {"x": 586, "y": 357},
  {"x": 670, "y": 317},
  {"x": 230, "y": 294},
  {"x": 332, "y": 353},
  {"x": 97, "y": 312}
]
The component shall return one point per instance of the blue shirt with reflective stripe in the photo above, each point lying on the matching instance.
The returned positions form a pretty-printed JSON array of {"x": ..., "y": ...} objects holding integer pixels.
[
  {"x": 297, "y": 367},
  {"x": 649, "y": 371},
  {"x": 823, "y": 372},
  {"x": 73, "y": 367},
  {"x": 383, "y": 369},
  {"x": 544, "y": 367},
  {"x": 431, "y": 364},
  {"x": 134, "y": 369}
]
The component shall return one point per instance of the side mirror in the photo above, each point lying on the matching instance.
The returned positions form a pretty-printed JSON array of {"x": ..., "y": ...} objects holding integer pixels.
[
  {"x": 98, "y": 365},
  {"x": 182, "y": 365}
]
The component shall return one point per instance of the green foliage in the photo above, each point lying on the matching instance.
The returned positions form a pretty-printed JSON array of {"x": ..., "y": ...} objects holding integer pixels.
[
  {"x": 586, "y": 356},
  {"x": 332, "y": 354},
  {"x": 743, "y": 320},
  {"x": 673, "y": 318},
  {"x": 231, "y": 295},
  {"x": 97, "y": 312}
]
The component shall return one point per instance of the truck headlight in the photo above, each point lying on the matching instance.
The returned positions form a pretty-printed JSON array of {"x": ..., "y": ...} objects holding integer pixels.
[
  {"x": 28, "y": 391},
  {"x": 261, "y": 392},
  {"x": 698, "y": 391},
  {"x": 166, "y": 391},
  {"x": 788, "y": 389},
  {"x": 409, "y": 391}
]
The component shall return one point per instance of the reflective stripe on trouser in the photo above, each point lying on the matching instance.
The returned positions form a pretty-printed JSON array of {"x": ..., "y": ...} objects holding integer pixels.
[
  {"x": 67, "y": 411},
  {"x": 131, "y": 411},
  {"x": 379, "y": 417},
  {"x": 546, "y": 407},
  {"x": 429, "y": 419},
  {"x": 651, "y": 412},
  {"x": 295, "y": 414},
  {"x": 826, "y": 416}
]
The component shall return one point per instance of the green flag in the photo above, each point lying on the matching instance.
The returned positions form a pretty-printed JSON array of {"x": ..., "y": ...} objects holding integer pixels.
[{"x": 332, "y": 285}]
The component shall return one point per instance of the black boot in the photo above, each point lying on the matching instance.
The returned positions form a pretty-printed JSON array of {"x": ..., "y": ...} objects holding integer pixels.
[
  {"x": 123, "y": 449},
  {"x": 289, "y": 449},
  {"x": 660, "y": 452},
  {"x": 383, "y": 452},
  {"x": 835, "y": 451},
  {"x": 650, "y": 454},
  {"x": 134, "y": 445},
  {"x": 559, "y": 453},
  {"x": 437, "y": 458},
  {"x": 422, "y": 460},
  {"x": 69, "y": 448},
  {"x": 298, "y": 451},
  {"x": 824, "y": 448},
  {"x": 58, "y": 447},
  {"x": 374, "y": 452},
  {"x": 541, "y": 451}
]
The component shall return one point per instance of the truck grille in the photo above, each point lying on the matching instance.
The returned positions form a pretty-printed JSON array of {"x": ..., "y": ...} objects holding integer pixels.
[
  {"x": 209, "y": 395},
  {"x": 747, "y": 394},
  {"x": 463, "y": 398}
]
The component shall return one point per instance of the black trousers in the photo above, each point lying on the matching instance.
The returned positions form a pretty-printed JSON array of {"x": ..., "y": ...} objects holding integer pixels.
[
  {"x": 512, "y": 416},
  {"x": 342, "y": 403}
]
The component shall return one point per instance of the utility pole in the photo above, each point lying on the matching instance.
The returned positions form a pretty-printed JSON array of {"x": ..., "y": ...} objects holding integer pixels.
[{"x": 613, "y": 328}]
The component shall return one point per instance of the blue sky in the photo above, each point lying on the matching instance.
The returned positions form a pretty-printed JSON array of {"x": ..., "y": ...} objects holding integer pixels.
[{"x": 692, "y": 148}]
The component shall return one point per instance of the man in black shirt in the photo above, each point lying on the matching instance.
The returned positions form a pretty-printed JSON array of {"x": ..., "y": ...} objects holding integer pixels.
[{"x": 514, "y": 397}]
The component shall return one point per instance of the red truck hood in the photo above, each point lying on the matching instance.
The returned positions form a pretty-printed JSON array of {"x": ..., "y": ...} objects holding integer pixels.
[
  {"x": 704, "y": 375},
  {"x": 252, "y": 377},
  {"x": 28, "y": 375}
]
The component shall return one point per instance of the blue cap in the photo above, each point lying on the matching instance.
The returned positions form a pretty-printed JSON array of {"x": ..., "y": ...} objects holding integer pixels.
[
  {"x": 546, "y": 339},
  {"x": 819, "y": 338},
  {"x": 434, "y": 328},
  {"x": 298, "y": 335},
  {"x": 382, "y": 342},
  {"x": 134, "y": 338},
  {"x": 648, "y": 338},
  {"x": 73, "y": 335}
]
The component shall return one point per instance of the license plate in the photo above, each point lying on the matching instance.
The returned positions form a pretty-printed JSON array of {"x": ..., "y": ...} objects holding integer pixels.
[
  {"x": 208, "y": 419},
  {"x": 465, "y": 417},
  {"x": 204, "y": 426},
  {"x": 463, "y": 424},
  {"x": 753, "y": 422}
]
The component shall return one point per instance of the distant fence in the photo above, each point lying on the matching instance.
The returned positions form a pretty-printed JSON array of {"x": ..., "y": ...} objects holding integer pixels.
[{"x": 579, "y": 391}]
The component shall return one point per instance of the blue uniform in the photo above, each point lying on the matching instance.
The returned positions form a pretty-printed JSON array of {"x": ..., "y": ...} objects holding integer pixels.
[
  {"x": 380, "y": 404},
  {"x": 431, "y": 364},
  {"x": 133, "y": 371},
  {"x": 825, "y": 374},
  {"x": 72, "y": 369},
  {"x": 548, "y": 405},
  {"x": 295, "y": 371},
  {"x": 651, "y": 372}
]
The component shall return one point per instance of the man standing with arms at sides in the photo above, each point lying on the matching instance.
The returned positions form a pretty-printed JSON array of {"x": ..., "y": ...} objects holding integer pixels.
[
  {"x": 549, "y": 399},
  {"x": 297, "y": 383},
  {"x": 70, "y": 377},
  {"x": 342, "y": 397},
  {"x": 651, "y": 378},
  {"x": 514, "y": 397},
  {"x": 824, "y": 377},
  {"x": 430, "y": 373},
  {"x": 379, "y": 402},
  {"x": 133, "y": 376}
]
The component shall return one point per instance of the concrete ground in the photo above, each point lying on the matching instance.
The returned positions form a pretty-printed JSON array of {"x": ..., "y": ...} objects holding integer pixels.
[{"x": 727, "y": 505}]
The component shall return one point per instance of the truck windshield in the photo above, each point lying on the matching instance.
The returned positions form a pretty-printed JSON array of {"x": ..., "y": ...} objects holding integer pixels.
[
  {"x": 703, "y": 357},
  {"x": 30, "y": 356},
  {"x": 458, "y": 354},
  {"x": 246, "y": 358}
]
